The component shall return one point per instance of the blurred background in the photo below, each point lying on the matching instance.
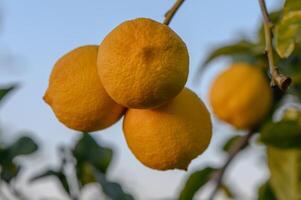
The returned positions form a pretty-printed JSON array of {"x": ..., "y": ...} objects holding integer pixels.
[{"x": 34, "y": 34}]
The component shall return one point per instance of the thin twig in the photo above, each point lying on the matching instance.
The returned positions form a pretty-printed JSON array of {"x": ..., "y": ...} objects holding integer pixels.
[
  {"x": 171, "y": 12},
  {"x": 219, "y": 174},
  {"x": 277, "y": 78},
  {"x": 68, "y": 161},
  {"x": 18, "y": 194}
]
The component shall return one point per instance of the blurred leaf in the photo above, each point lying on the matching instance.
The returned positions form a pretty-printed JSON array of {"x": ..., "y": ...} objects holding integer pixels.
[
  {"x": 230, "y": 142},
  {"x": 287, "y": 30},
  {"x": 85, "y": 174},
  {"x": 283, "y": 134},
  {"x": 58, "y": 174},
  {"x": 196, "y": 180},
  {"x": 87, "y": 150},
  {"x": 291, "y": 67},
  {"x": 5, "y": 91},
  {"x": 265, "y": 192},
  {"x": 89, "y": 155},
  {"x": 292, "y": 114},
  {"x": 285, "y": 169},
  {"x": 240, "y": 48},
  {"x": 9, "y": 170},
  {"x": 227, "y": 191},
  {"x": 112, "y": 189},
  {"x": 23, "y": 146},
  {"x": 291, "y": 5}
]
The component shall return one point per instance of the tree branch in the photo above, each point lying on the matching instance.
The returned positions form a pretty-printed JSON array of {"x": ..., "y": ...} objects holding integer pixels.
[
  {"x": 277, "y": 78},
  {"x": 171, "y": 12},
  {"x": 235, "y": 150},
  {"x": 68, "y": 161}
]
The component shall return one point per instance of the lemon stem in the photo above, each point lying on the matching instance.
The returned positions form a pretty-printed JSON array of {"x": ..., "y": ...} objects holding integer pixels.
[
  {"x": 235, "y": 149},
  {"x": 172, "y": 11},
  {"x": 277, "y": 78}
]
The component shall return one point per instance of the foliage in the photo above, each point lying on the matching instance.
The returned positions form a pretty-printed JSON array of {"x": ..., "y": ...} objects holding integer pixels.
[
  {"x": 283, "y": 134},
  {"x": 23, "y": 146},
  {"x": 282, "y": 138},
  {"x": 195, "y": 181},
  {"x": 240, "y": 48},
  {"x": 285, "y": 167},
  {"x": 288, "y": 29},
  {"x": 59, "y": 174},
  {"x": 5, "y": 91},
  {"x": 265, "y": 192},
  {"x": 231, "y": 142},
  {"x": 91, "y": 164},
  {"x": 112, "y": 189}
]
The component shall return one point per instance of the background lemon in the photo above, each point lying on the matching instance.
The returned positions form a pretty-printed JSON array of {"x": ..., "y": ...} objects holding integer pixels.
[
  {"x": 241, "y": 95},
  {"x": 76, "y": 94},
  {"x": 170, "y": 136},
  {"x": 143, "y": 63}
]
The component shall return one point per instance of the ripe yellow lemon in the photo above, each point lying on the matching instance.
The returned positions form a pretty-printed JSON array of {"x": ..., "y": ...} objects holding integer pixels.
[
  {"x": 241, "y": 95},
  {"x": 76, "y": 95},
  {"x": 143, "y": 63},
  {"x": 170, "y": 136}
]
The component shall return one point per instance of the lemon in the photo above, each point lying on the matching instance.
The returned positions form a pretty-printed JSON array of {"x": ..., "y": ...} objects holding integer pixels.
[
  {"x": 170, "y": 136},
  {"x": 76, "y": 95},
  {"x": 241, "y": 96},
  {"x": 143, "y": 63}
]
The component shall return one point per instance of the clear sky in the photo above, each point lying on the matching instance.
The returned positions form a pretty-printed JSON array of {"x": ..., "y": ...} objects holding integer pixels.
[{"x": 38, "y": 32}]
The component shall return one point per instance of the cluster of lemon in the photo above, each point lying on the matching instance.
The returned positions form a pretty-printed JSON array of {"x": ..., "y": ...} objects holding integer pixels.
[{"x": 140, "y": 70}]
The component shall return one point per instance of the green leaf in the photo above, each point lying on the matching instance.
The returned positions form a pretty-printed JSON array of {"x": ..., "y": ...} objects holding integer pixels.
[
  {"x": 285, "y": 169},
  {"x": 265, "y": 192},
  {"x": 291, "y": 5},
  {"x": 196, "y": 180},
  {"x": 283, "y": 134},
  {"x": 58, "y": 174},
  {"x": 287, "y": 33},
  {"x": 5, "y": 91},
  {"x": 9, "y": 170},
  {"x": 23, "y": 146},
  {"x": 112, "y": 189},
  {"x": 240, "y": 48},
  {"x": 230, "y": 142},
  {"x": 88, "y": 150},
  {"x": 85, "y": 174}
]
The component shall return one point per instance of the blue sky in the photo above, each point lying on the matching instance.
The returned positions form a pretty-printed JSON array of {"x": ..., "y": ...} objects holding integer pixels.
[{"x": 37, "y": 33}]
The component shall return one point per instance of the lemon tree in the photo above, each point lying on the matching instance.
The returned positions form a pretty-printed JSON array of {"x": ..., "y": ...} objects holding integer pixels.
[
  {"x": 140, "y": 70},
  {"x": 269, "y": 115}
]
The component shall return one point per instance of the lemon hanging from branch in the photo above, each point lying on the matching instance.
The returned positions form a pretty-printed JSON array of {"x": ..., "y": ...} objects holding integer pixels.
[
  {"x": 170, "y": 136},
  {"x": 241, "y": 96},
  {"x": 76, "y": 94},
  {"x": 143, "y": 63}
]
